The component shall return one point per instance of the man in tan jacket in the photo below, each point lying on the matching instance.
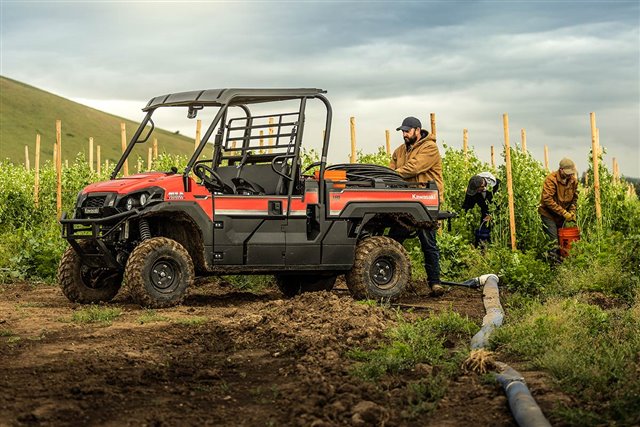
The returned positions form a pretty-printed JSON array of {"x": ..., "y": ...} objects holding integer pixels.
[
  {"x": 559, "y": 199},
  {"x": 418, "y": 160}
]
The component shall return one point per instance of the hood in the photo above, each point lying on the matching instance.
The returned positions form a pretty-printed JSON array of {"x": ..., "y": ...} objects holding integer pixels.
[
  {"x": 425, "y": 137},
  {"x": 135, "y": 182}
]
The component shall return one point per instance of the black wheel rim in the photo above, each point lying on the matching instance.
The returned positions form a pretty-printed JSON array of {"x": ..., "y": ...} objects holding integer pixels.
[
  {"x": 382, "y": 272},
  {"x": 164, "y": 275}
]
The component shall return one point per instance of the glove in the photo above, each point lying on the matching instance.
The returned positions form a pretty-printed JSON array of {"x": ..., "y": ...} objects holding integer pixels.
[{"x": 570, "y": 216}]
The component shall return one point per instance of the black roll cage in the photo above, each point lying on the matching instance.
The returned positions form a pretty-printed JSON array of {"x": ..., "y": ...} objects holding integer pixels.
[{"x": 225, "y": 98}]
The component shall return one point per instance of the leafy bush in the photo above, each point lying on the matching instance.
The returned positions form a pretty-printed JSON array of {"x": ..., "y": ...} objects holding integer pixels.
[
  {"x": 590, "y": 352},
  {"x": 380, "y": 158},
  {"x": 610, "y": 265}
]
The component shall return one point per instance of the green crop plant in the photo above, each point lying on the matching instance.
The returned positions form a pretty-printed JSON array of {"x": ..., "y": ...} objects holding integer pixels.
[{"x": 591, "y": 354}]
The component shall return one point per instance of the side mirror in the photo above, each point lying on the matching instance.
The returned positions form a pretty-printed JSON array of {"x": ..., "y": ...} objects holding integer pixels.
[{"x": 193, "y": 111}]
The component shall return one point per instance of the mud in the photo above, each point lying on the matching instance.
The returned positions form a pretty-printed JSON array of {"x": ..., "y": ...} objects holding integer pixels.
[{"x": 226, "y": 358}]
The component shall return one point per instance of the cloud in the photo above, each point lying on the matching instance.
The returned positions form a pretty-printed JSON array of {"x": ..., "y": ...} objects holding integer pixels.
[{"x": 547, "y": 64}]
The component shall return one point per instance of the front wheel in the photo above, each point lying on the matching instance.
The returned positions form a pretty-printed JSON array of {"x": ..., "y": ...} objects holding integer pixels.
[
  {"x": 84, "y": 284},
  {"x": 292, "y": 285},
  {"x": 158, "y": 273},
  {"x": 381, "y": 269}
]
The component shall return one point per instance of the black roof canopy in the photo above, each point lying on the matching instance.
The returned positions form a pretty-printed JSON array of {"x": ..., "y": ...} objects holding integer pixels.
[{"x": 219, "y": 97}]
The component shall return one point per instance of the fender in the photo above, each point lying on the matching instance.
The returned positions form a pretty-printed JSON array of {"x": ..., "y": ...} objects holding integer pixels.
[
  {"x": 201, "y": 251},
  {"x": 416, "y": 210}
]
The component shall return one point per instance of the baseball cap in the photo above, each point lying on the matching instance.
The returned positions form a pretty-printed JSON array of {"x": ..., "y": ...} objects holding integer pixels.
[
  {"x": 475, "y": 182},
  {"x": 409, "y": 123},
  {"x": 568, "y": 166}
]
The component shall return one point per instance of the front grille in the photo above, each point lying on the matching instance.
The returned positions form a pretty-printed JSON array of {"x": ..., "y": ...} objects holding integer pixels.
[{"x": 94, "y": 202}]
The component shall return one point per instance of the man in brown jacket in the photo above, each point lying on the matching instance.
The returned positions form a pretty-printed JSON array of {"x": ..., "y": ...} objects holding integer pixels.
[
  {"x": 418, "y": 160},
  {"x": 559, "y": 200}
]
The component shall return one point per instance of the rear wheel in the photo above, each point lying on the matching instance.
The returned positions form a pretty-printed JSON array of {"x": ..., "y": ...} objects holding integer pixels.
[
  {"x": 84, "y": 284},
  {"x": 381, "y": 270},
  {"x": 158, "y": 273},
  {"x": 292, "y": 285}
]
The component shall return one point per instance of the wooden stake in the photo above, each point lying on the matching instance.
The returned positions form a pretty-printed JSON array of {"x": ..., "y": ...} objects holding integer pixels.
[
  {"x": 55, "y": 156},
  {"x": 155, "y": 148},
  {"x": 106, "y": 165},
  {"x": 614, "y": 169},
  {"x": 66, "y": 163},
  {"x": 523, "y": 135},
  {"x": 493, "y": 158},
  {"x": 91, "y": 153},
  {"x": 139, "y": 165},
  {"x": 98, "y": 164},
  {"x": 123, "y": 140},
  {"x": 149, "y": 159},
  {"x": 198, "y": 131},
  {"x": 596, "y": 178},
  {"x": 546, "y": 157},
  {"x": 512, "y": 216},
  {"x": 27, "y": 165},
  {"x": 465, "y": 142},
  {"x": 36, "y": 185},
  {"x": 59, "y": 168},
  {"x": 387, "y": 141},
  {"x": 352, "y": 126},
  {"x": 433, "y": 124}
]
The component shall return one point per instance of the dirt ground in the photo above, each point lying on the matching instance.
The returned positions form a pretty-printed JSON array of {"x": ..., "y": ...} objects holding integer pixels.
[{"x": 225, "y": 358}]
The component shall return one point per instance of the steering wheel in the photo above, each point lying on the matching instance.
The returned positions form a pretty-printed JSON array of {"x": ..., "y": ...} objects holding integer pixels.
[
  {"x": 211, "y": 179},
  {"x": 247, "y": 187}
]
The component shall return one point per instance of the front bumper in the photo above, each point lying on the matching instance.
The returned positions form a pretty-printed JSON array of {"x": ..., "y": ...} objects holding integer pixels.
[{"x": 97, "y": 231}]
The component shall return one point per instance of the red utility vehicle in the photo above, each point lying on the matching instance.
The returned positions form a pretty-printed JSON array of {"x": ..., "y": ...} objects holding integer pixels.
[{"x": 241, "y": 207}]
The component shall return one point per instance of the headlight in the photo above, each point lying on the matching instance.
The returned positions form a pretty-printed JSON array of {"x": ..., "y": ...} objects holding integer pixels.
[
  {"x": 143, "y": 199},
  {"x": 130, "y": 203}
]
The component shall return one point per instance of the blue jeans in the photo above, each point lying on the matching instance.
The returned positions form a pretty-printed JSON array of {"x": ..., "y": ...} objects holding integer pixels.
[{"x": 429, "y": 249}]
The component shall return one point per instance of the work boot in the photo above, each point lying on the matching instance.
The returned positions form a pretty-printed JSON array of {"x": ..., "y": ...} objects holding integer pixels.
[{"x": 437, "y": 290}]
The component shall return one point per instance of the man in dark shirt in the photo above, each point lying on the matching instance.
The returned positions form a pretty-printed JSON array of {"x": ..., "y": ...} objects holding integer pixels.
[{"x": 480, "y": 192}]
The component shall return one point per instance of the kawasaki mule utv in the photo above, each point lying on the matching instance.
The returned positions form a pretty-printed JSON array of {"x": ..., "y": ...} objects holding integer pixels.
[{"x": 241, "y": 207}]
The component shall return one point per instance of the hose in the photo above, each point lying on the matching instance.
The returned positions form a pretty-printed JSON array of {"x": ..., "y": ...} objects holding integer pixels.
[
  {"x": 494, "y": 313},
  {"x": 370, "y": 173},
  {"x": 524, "y": 408}
]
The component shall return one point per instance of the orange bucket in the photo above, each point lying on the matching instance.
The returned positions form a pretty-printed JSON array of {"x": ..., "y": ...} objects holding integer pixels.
[
  {"x": 566, "y": 236},
  {"x": 333, "y": 175}
]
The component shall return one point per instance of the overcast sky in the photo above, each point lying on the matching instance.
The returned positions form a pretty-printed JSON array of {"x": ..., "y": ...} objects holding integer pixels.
[{"x": 548, "y": 64}]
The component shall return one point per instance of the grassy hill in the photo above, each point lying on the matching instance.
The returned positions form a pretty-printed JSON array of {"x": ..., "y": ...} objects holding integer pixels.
[{"x": 26, "y": 110}]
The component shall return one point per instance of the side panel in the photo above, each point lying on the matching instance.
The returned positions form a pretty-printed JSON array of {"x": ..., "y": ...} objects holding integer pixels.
[
  {"x": 302, "y": 249},
  {"x": 422, "y": 203},
  {"x": 249, "y": 230},
  {"x": 266, "y": 246},
  {"x": 337, "y": 246}
]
